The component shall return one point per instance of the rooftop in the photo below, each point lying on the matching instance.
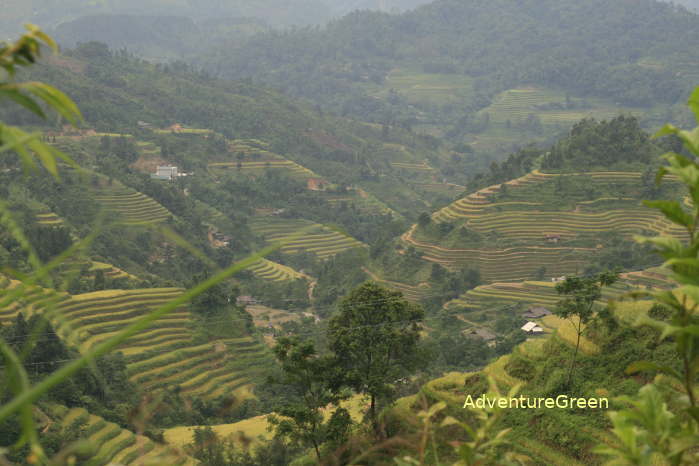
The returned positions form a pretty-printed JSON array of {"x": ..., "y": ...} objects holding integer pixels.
[
  {"x": 536, "y": 312},
  {"x": 532, "y": 327}
]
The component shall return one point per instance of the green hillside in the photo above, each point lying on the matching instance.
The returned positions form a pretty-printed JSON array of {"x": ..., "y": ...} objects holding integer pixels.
[
  {"x": 486, "y": 73},
  {"x": 318, "y": 240},
  {"x": 405, "y": 260},
  {"x": 295, "y": 135},
  {"x": 554, "y": 220},
  {"x": 111, "y": 443},
  {"x": 552, "y": 436}
]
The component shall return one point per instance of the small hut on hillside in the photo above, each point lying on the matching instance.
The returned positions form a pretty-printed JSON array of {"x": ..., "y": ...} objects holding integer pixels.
[
  {"x": 536, "y": 312},
  {"x": 532, "y": 327}
]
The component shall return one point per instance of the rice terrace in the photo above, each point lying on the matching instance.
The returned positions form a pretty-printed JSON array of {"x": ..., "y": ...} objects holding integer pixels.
[{"x": 307, "y": 233}]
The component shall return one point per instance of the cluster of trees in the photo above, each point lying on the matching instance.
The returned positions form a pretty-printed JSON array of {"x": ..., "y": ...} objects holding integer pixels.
[
  {"x": 605, "y": 144},
  {"x": 515, "y": 165},
  {"x": 373, "y": 346}
]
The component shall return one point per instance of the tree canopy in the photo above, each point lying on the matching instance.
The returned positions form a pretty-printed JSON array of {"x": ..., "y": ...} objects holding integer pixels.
[{"x": 374, "y": 337}]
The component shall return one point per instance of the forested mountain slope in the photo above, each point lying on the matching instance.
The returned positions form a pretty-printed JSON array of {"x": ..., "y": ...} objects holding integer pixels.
[
  {"x": 691, "y": 4},
  {"x": 377, "y": 158},
  {"x": 279, "y": 13},
  {"x": 564, "y": 44},
  {"x": 158, "y": 37},
  {"x": 636, "y": 54}
]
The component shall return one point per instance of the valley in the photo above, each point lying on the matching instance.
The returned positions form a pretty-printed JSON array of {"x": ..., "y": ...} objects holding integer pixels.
[{"x": 287, "y": 237}]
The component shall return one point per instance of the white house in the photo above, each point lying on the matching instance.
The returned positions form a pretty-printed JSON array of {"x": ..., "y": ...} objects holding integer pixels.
[
  {"x": 532, "y": 327},
  {"x": 165, "y": 173}
]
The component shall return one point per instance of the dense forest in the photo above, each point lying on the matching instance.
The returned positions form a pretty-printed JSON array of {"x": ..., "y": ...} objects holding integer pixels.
[{"x": 578, "y": 48}]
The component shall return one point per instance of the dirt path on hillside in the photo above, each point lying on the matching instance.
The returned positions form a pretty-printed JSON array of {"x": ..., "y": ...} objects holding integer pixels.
[{"x": 311, "y": 286}]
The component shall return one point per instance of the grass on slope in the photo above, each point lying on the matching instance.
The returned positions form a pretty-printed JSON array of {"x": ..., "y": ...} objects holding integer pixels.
[
  {"x": 273, "y": 271},
  {"x": 419, "y": 87},
  {"x": 169, "y": 353},
  {"x": 254, "y": 428},
  {"x": 319, "y": 239},
  {"x": 549, "y": 106},
  {"x": 110, "y": 444}
]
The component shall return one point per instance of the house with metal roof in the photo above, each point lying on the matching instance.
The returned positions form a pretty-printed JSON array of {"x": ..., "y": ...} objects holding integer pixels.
[{"x": 532, "y": 327}]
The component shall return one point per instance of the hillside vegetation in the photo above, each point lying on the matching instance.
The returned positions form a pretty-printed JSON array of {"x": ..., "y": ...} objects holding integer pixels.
[
  {"x": 485, "y": 73},
  {"x": 558, "y": 219},
  {"x": 397, "y": 270}
]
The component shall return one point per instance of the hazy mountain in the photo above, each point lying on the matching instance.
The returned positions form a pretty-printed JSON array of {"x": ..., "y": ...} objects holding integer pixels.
[
  {"x": 279, "y": 13},
  {"x": 691, "y": 4}
]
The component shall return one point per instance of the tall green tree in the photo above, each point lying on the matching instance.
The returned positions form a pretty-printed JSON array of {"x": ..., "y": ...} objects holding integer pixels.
[
  {"x": 215, "y": 299},
  {"x": 579, "y": 304},
  {"x": 310, "y": 376},
  {"x": 375, "y": 339}
]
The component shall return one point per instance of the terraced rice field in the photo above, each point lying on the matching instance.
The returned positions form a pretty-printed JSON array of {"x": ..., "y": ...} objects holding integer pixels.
[
  {"x": 88, "y": 269},
  {"x": 654, "y": 277},
  {"x": 32, "y": 299},
  {"x": 497, "y": 371},
  {"x": 256, "y": 159},
  {"x": 516, "y": 105},
  {"x": 48, "y": 219},
  {"x": 566, "y": 331},
  {"x": 447, "y": 189},
  {"x": 528, "y": 215},
  {"x": 450, "y": 389},
  {"x": 248, "y": 146},
  {"x": 528, "y": 292},
  {"x": 252, "y": 428},
  {"x": 269, "y": 270},
  {"x": 412, "y": 166},
  {"x": 415, "y": 293},
  {"x": 509, "y": 264},
  {"x": 418, "y": 87},
  {"x": 318, "y": 239},
  {"x": 131, "y": 206},
  {"x": 110, "y": 271},
  {"x": 544, "y": 454},
  {"x": 541, "y": 293},
  {"x": 262, "y": 165},
  {"x": 358, "y": 199},
  {"x": 113, "y": 445},
  {"x": 166, "y": 354},
  {"x": 183, "y": 131},
  {"x": 148, "y": 148},
  {"x": 528, "y": 220}
]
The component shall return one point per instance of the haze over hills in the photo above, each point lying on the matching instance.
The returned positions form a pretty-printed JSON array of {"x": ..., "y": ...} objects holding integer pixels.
[
  {"x": 206, "y": 14},
  {"x": 447, "y": 197},
  {"x": 691, "y": 4},
  {"x": 472, "y": 71}
]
